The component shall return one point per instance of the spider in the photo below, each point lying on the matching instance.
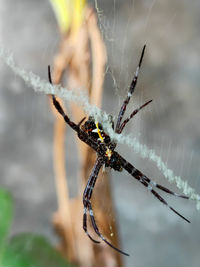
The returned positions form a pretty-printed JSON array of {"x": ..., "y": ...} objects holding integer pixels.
[{"x": 92, "y": 133}]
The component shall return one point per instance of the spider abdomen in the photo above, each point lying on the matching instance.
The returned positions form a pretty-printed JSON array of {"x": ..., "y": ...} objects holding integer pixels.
[{"x": 114, "y": 162}]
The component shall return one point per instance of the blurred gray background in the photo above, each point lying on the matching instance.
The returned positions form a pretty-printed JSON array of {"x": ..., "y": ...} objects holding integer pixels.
[{"x": 170, "y": 75}]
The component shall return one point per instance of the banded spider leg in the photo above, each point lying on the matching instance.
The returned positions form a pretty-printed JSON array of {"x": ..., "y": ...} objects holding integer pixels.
[
  {"x": 126, "y": 165},
  {"x": 143, "y": 179},
  {"x": 119, "y": 126},
  {"x": 88, "y": 206}
]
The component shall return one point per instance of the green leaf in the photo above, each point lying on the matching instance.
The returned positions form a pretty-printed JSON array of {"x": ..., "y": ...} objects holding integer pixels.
[
  {"x": 30, "y": 250},
  {"x": 6, "y": 212}
]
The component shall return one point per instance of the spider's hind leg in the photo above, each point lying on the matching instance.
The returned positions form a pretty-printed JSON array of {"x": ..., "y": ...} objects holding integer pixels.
[
  {"x": 85, "y": 225},
  {"x": 88, "y": 207},
  {"x": 98, "y": 232},
  {"x": 149, "y": 184},
  {"x": 143, "y": 179},
  {"x": 166, "y": 190}
]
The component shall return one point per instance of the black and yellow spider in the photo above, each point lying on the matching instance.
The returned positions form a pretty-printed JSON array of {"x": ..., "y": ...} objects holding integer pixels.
[{"x": 92, "y": 133}]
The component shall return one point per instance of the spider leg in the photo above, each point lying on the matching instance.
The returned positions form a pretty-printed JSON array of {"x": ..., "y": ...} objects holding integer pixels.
[
  {"x": 57, "y": 105},
  {"x": 161, "y": 199},
  {"x": 85, "y": 225},
  {"x": 130, "y": 92},
  {"x": 76, "y": 127},
  {"x": 87, "y": 194},
  {"x": 149, "y": 184},
  {"x": 87, "y": 204},
  {"x": 49, "y": 74},
  {"x": 81, "y": 121},
  {"x": 98, "y": 232},
  {"x": 131, "y": 116},
  {"x": 165, "y": 203},
  {"x": 60, "y": 109},
  {"x": 166, "y": 190},
  {"x": 141, "y": 177}
]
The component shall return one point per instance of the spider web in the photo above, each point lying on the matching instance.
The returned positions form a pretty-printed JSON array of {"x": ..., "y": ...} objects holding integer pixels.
[
  {"x": 168, "y": 151},
  {"x": 112, "y": 40},
  {"x": 42, "y": 86},
  {"x": 142, "y": 149}
]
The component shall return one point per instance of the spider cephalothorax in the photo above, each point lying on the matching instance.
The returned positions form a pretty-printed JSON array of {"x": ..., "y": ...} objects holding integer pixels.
[
  {"x": 95, "y": 130},
  {"x": 92, "y": 133}
]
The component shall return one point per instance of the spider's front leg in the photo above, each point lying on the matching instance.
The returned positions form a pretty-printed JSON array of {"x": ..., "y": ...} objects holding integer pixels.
[
  {"x": 59, "y": 108},
  {"x": 76, "y": 127},
  {"x": 130, "y": 92},
  {"x": 120, "y": 125},
  {"x": 88, "y": 206},
  {"x": 123, "y": 124}
]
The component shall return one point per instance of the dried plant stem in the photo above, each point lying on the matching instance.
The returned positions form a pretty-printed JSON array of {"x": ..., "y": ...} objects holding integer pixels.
[
  {"x": 63, "y": 214},
  {"x": 74, "y": 55},
  {"x": 99, "y": 61}
]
